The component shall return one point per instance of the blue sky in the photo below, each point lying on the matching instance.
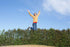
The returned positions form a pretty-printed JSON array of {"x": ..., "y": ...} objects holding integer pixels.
[{"x": 54, "y": 14}]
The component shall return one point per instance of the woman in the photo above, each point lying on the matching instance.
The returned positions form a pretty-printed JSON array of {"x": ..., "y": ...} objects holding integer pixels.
[{"x": 35, "y": 20}]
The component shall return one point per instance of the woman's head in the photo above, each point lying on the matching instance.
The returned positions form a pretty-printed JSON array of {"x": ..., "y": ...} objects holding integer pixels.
[{"x": 35, "y": 14}]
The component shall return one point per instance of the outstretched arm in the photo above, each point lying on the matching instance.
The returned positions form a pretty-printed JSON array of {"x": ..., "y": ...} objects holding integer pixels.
[
  {"x": 38, "y": 13},
  {"x": 30, "y": 13}
]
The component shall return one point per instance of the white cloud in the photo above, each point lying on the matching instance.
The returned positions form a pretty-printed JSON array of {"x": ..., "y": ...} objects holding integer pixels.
[{"x": 60, "y": 6}]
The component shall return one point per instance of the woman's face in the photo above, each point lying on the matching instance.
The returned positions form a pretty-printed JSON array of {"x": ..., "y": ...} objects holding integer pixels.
[{"x": 34, "y": 14}]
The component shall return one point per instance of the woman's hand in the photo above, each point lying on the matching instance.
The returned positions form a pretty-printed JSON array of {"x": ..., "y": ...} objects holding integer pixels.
[
  {"x": 28, "y": 10},
  {"x": 39, "y": 10}
]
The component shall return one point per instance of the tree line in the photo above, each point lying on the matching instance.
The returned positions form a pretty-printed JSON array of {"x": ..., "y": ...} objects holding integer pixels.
[{"x": 50, "y": 37}]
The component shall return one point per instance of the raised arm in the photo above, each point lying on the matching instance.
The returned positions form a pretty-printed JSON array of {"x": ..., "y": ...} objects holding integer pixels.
[
  {"x": 30, "y": 13},
  {"x": 38, "y": 13}
]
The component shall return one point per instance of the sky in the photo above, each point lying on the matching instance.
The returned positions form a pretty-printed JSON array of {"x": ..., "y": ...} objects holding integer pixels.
[{"x": 54, "y": 14}]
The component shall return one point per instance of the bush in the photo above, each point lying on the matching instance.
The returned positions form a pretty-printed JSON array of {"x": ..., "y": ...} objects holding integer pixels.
[{"x": 51, "y": 37}]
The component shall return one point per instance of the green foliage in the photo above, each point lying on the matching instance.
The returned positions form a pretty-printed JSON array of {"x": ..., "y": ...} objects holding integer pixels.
[{"x": 51, "y": 37}]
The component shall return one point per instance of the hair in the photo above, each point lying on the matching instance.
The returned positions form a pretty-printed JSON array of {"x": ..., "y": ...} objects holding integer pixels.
[{"x": 35, "y": 13}]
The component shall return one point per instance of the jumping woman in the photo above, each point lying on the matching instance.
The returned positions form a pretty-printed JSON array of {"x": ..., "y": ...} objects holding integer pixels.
[{"x": 35, "y": 20}]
